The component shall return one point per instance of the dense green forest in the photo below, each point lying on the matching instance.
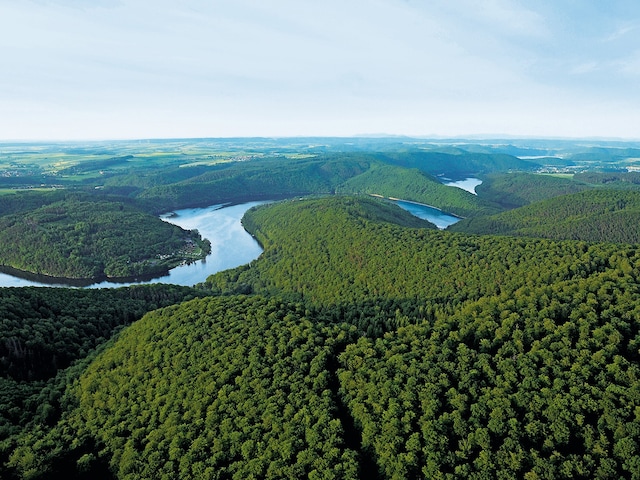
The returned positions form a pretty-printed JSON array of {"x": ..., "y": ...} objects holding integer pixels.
[
  {"x": 408, "y": 176},
  {"x": 617, "y": 179},
  {"x": 99, "y": 219},
  {"x": 368, "y": 348},
  {"x": 413, "y": 184},
  {"x": 514, "y": 190},
  {"x": 49, "y": 335},
  {"x": 598, "y": 215},
  {"x": 363, "y": 342}
]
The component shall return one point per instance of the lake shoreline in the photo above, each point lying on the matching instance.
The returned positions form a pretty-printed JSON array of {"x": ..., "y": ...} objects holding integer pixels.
[
  {"x": 80, "y": 281},
  {"x": 394, "y": 199}
]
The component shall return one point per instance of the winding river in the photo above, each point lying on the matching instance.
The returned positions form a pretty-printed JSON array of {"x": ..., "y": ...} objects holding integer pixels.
[{"x": 231, "y": 246}]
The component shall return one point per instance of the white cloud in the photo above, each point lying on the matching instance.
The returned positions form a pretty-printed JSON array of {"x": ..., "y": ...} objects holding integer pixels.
[
  {"x": 584, "y": 68},
  {"x": 621, "y": 32}
]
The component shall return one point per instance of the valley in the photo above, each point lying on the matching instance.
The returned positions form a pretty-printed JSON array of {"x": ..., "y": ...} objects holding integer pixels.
[{"x": 355, "y": 341}]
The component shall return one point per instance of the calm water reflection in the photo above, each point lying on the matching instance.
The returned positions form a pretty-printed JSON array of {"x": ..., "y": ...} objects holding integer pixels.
[
  {"x": 468, "y": 184},
  {"x": 438, "y": 217}
]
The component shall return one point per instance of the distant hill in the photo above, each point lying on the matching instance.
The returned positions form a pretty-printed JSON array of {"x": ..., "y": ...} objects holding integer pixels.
[
  {"x": 593, "y": 215},
  {"x": 406, "y": 175},
  {"x": 458, "y": 163},
  {"x": 511, "y": 190}
]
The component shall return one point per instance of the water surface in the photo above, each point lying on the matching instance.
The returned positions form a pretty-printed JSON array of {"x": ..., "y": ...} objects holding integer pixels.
[
  {"x": 468, "y": 184},
  {"x": 438, "y": 217}
]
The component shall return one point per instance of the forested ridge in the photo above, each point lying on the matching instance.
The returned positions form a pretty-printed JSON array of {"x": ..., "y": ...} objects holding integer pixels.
[
  {"x": 596, "y": 215},
  {"x": 415, "y": 185},
  {"x": 89, "y": 239},
  {"x": 516, "y": 189},
  {"x": 366, "y": 346},
  {"x": 272, "y": 178}
]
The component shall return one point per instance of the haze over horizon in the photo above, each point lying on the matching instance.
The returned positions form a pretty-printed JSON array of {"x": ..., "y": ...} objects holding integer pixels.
[{"x": 126, "y": 69}]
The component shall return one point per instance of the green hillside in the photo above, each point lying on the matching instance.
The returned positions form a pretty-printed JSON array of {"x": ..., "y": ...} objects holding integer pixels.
[
  {"x": 412, "y": 184},
  {"x": 49, "y": 335},
  {"x": 405, "y": 175},
  {"x": 594, "y": 215},
  {"x": 373, "y": 350},
  {"x": 621, "y": 180},
  {"x": 363, "y": 343},
  {"x": 258, "y": 180},
  {"x": 337, "y": 249},
  {"x": 512, "y": 190},
  {"x": 467, "y": 385}
]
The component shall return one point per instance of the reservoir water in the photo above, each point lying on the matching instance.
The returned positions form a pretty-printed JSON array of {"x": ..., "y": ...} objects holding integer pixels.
[
  {"x": 438, "y": 217},
  {"x": 434, "y": 215},
  {"x": 468, "y": 184},
  {"x": 231, "y": 246}
]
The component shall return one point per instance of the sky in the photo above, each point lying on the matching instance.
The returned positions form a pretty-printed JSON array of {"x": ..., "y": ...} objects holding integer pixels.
[{"x": 127, "y": 69}]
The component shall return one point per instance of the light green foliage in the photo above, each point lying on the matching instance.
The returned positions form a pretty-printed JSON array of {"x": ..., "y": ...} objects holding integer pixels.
[
  {"x": 370, "y": 345},
  {"x": 511, "y": 190},
  {"x": 413, "y": 184}
]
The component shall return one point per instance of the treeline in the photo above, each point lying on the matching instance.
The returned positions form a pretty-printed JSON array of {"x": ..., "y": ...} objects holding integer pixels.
[
  {"x": 270, "y": 178},
  {"x": 339, "y": 251},
  {"x": 408, "y": 175},
  {"x": 94, "y": 239},
  {"x": 597, "y": 215},
  {"x": 611, "y": 179}
]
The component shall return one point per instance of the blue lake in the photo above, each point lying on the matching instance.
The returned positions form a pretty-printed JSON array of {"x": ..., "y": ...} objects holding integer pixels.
[
  {"x": 468, "y": 184},
  {"x": 438, "y": 217}
]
